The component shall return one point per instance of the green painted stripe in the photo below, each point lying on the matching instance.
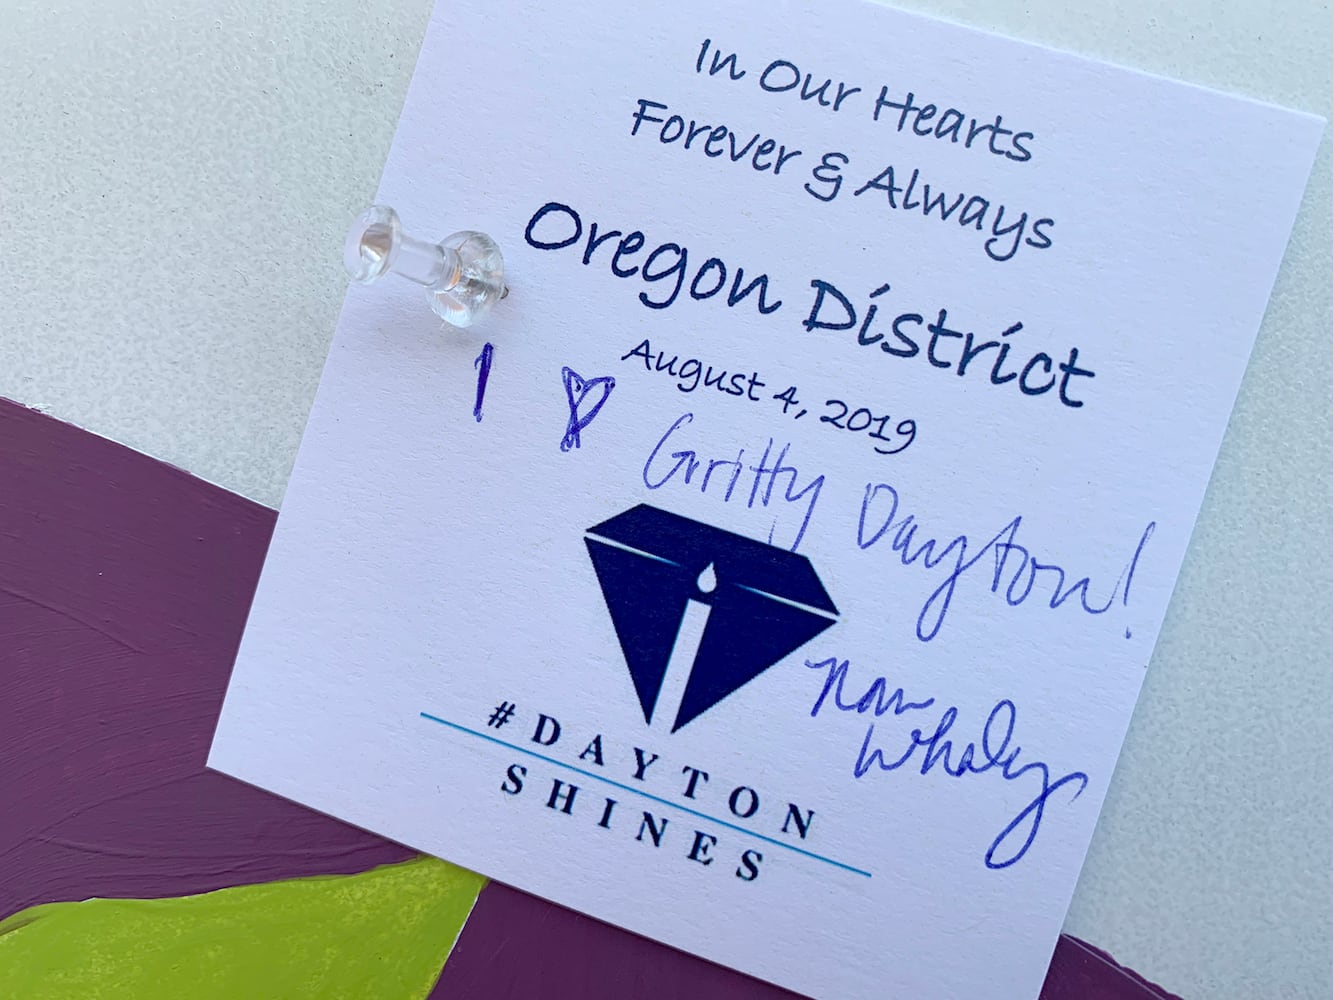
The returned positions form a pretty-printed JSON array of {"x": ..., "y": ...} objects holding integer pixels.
[{"x": 378, "y": 935}]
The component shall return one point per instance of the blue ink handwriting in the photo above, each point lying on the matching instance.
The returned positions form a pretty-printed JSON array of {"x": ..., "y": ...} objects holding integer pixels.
[
  {"x": 995, "y": 753},
  {"x": 577, "y": 389},
  {"x": 959, "y": 555},
  {"x": 483, "y": 366},
  {"x": 725, "y": 475}
]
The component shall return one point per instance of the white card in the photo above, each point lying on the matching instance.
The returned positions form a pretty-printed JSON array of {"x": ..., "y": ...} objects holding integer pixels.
[{"x": 779, "y": 583}]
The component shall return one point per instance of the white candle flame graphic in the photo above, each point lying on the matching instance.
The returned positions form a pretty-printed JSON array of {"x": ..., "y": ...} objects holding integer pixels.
[{"x": 686, "y": 648}]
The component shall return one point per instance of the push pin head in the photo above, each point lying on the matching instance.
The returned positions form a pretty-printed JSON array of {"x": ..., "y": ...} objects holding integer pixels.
[{"x": 463, "y": 274}]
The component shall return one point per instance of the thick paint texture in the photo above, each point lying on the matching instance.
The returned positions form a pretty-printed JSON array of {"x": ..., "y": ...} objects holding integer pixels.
[
  {"x": 1081, "y": 972},
  {"x": 379, "y": 935},
  {"x": 124, "y": 587},
  {"x": 517, "y": 947}
]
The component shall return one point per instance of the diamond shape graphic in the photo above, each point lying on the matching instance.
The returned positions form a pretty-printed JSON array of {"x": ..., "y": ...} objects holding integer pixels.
[{"x": 763, "y": 603}]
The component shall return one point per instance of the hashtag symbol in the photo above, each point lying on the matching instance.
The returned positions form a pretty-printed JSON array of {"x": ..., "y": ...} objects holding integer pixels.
[{"x": 502, "y": 714}]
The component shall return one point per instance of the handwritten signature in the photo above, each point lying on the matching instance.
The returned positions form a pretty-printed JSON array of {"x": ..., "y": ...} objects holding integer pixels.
[
  {"x": 993, "y": 753},
  {"x": 1003, "y": 545}
]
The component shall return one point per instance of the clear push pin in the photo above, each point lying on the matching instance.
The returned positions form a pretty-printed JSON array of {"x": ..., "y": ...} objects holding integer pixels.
[{"x": 463, "y": 274}]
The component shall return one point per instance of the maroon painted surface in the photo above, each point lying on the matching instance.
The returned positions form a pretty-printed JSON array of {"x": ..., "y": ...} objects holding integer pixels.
[
  {"x": 516, "y": 946},
  {"x": 124, "y": 587},
  {"x": 1080, "y": 970}
]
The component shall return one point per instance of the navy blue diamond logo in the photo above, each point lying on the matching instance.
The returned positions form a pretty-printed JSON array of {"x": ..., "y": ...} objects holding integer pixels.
[{"x": 761, "y": 604}]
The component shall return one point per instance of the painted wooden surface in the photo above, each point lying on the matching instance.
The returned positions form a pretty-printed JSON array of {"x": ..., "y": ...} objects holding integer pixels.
[
  {"x": 380, "y": 933},
  {"x": 176, "y": 181},
  {"x": 124, "y": 586}
]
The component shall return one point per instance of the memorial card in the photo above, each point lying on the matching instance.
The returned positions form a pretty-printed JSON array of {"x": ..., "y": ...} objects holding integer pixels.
[{"x": 773, "y": 572}]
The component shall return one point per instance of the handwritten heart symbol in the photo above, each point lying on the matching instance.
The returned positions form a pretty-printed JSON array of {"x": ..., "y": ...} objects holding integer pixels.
[{"x": 577, "y": 389}]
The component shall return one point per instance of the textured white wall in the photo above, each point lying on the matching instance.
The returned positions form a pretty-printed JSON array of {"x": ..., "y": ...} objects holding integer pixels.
[{"x": 175, "y": 179}]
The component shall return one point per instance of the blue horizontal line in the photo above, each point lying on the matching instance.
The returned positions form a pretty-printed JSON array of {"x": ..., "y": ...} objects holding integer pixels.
[{"x": 647, "y": 795}]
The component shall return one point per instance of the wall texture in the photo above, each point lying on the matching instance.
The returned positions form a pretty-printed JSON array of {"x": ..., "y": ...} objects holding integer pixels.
[{"x": 174, "y": 184}]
